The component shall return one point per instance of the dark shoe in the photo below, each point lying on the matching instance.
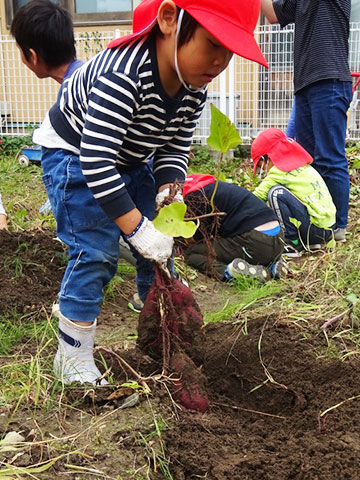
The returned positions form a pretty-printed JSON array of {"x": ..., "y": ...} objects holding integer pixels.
[
  {"x": 136, "y": 304},
  {"x": 279, "y": 269},
  {"x": 239, "y": 267}
]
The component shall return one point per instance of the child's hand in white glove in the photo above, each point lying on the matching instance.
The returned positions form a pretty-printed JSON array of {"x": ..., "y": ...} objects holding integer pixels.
[
  {"x": 150, "y": 242},
  {"x": 162, "y": 196}
]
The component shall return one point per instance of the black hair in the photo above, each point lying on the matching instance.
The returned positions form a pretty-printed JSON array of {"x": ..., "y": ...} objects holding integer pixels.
[
  {"x": 187, "y": 29},
  {"x": 46, "y": 28}
]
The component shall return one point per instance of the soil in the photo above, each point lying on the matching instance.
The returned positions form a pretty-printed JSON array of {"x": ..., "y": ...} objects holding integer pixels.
[{"x": 268, "y": 392}]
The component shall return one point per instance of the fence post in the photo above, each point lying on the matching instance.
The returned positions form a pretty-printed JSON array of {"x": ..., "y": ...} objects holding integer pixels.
[
  {"x": 232, "y": 115},
  {"x": 223, "y": 92}
]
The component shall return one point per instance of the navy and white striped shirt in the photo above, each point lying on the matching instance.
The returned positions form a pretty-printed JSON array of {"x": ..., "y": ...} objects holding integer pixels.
[
  {"x": 116, "y": 114},
  {"x": 321, "y": 46}
]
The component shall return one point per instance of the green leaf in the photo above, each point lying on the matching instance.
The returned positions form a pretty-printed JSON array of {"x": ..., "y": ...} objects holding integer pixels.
[
  {"x": 38, "y": 468},
  {"x": 352, "y": 298},
  {"x": 223, "y": 134},
  {"x": 132, "y": 384},
  {"x": 295, "y": 222},
  {"x": 331, "y": 243},
  {"x": 356, "y": 162},
  {"x": 170, "y": 221}
]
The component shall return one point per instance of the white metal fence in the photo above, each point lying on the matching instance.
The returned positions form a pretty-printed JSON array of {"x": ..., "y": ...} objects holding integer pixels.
[{"x": 253, "y": 97}]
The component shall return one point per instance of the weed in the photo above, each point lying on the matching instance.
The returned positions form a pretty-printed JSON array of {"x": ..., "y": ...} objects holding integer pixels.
[
  {"x": 22, "y": 193},
  {"x": 15, "y": 266},
  {"x": 12, "y": 332},
  {"x": 156, "y": 449},
  {"x": 26, "y": 377},
  {"x": 203, "y": 160},
  {"x": 113, "y": 288},
  {"x": 250, "y": 297},
  {"x": 116, "y": 284}
]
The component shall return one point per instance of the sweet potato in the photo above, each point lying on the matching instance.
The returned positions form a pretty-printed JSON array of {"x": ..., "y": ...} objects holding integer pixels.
[{"x": 189, "y": 390}]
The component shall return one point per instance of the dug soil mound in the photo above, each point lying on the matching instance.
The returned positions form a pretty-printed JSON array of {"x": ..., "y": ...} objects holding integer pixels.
[{"x": 267, "y": 419}]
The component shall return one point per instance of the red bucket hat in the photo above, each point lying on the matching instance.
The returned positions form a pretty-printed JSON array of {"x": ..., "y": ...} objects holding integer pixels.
[
  {"x": 285, "y": 153},
  {"x": 196, "y": 181},
  {"x": 231, "y": 22}
]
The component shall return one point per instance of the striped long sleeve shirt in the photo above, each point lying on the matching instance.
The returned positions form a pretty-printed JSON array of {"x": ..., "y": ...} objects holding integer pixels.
[
  {"x": 114, "y": 113},
  {"x": 321, "y": 45}
]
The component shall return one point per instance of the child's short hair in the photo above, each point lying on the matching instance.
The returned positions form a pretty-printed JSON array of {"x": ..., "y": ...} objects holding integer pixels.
[
  {"x": 46, "y": 28},
  {"x": 187, "y": 30}
]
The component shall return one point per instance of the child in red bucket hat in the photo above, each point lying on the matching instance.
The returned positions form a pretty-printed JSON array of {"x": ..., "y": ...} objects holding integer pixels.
[
  {"x": 139, "y": 99},
  {"x": 246, "y": 240},
  {"x": 294, "y": 189}
]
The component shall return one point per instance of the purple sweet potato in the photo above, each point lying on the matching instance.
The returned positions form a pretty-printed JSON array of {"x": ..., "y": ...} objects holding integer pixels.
[
  {"x": 189, "y": 390},
  {"x": 184, "y": 320},
  {"x": 170, "y": 328}
]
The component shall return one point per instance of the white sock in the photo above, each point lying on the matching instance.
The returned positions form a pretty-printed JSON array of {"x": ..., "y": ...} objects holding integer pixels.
[{"x": 74, "y": 360}]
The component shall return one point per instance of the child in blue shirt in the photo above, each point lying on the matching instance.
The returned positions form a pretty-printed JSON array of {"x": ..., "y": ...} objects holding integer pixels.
[{"x": 44, "y": 35}]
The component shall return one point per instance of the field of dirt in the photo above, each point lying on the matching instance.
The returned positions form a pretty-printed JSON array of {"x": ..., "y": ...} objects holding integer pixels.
[{"x": 269, "y": 393}]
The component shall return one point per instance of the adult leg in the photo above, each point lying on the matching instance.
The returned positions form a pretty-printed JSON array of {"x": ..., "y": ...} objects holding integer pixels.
[
  {"x": 329, "y": 101},
  {"x": 291, "y": 126},
  {"x": 304, "y": 122}
]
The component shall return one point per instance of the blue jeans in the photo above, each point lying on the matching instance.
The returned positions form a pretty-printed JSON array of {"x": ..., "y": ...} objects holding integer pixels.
[
  {"x": 290, "y": 130},
  {"x": 321, "y": 117},
  {"x": 92, "y": 238},
  {"x": 287, "y": 206}
]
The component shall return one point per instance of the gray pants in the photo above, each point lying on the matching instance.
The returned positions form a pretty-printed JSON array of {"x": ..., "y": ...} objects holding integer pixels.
[{"x": 255, "y": 247}]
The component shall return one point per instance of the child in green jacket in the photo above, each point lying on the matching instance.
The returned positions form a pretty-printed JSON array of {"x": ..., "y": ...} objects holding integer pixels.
[{"x": 294, "y": 189}]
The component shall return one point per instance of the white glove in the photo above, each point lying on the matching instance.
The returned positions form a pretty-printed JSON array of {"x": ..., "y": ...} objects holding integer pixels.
[
  {"x": 162, "y": 196},
  {"x": 150, "y": 242}
]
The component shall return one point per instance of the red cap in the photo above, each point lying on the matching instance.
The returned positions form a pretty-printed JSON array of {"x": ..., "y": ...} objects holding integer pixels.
[
  {"x": 285, "y": 153},
  {"x": 197, "y": 181},
  {"x": 231, "y": 22}
]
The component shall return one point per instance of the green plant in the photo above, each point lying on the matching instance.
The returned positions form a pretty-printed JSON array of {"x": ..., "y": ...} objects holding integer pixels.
[
  {"x": 27, "y": 378},
  {"x": 23, "y": 194},
  {"x": 158, "y": 451},
  {"x": 11, "y": 145},
  {"x": 246, "y": 299},
  {"x": 171, "y": 221},
  {"x": 223, "y": 137}
]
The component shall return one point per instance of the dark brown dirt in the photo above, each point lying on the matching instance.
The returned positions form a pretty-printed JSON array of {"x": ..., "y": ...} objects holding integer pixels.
[
  {"x": 31, "y": 268},
  {"x": 266, "y": 389},
  {"x": 274, "y": 431}
]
